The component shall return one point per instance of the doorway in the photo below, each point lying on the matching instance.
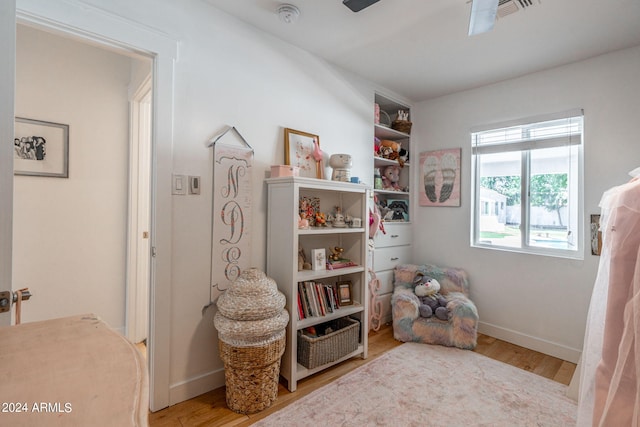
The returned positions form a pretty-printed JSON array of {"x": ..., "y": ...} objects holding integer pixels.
[
  {"x": 110, "y": 30},
  {"x": 73, "y": 236}
]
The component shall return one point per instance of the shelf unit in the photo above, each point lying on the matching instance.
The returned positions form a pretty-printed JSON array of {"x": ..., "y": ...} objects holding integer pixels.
[
  {"x": 394, "y": 247},
  {"x": 284, "y": 239}
]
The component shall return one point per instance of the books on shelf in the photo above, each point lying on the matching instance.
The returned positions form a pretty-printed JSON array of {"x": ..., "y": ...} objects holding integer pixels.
[{"x": 316, "y": 299}]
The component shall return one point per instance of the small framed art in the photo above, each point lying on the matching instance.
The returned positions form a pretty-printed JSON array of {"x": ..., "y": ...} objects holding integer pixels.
[
  {"x": 318, "y": 259},
  {"x": 299, "y": 150},
  {"x": 344, "y": 292},
  {"x": 40, "y": 148}
]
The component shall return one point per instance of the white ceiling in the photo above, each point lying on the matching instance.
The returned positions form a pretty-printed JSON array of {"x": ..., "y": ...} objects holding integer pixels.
[{"x": 420, "y": 49}]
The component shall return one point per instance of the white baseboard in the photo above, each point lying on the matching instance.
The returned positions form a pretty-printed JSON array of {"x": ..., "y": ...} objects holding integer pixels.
[
  {"x": 195, "y": 386},
  {"x": 543, "y": 346}
]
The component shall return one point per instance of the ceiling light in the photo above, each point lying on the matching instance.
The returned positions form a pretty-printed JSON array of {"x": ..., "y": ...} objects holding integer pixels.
[{"x": 288, "y": 13}]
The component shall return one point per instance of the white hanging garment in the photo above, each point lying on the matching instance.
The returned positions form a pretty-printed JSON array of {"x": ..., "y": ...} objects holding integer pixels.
[{"x": 609, "y": 387}]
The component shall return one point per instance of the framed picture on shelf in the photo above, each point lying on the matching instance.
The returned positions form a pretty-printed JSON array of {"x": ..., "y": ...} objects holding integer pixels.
[
  {"x": 40, "y": 148},
  {"x": 318, "y": 259},
  {"x": 440, "y": 177},
  {"x": 299, "y": 150},
  {"x": 344, "y": 292},
  {"x": 398, "y": 210},
  {"x": 308, "y": 207}
]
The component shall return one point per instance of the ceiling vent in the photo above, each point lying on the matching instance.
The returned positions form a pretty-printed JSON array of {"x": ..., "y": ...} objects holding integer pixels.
[{"x": 508, "y": 7}]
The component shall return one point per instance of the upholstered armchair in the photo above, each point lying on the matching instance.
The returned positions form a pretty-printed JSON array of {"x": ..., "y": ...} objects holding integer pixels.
[{"x": 461, "y": 328}]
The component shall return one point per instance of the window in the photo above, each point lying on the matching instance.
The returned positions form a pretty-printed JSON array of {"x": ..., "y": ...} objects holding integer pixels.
[{"x": 527, "y": 186}]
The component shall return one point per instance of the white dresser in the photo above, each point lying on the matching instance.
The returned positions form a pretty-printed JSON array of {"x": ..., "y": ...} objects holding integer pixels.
[{"x": 391, "y": 249}]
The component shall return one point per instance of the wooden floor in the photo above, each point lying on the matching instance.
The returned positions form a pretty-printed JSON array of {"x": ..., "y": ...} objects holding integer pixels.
[{"x": 210, "y": 409}]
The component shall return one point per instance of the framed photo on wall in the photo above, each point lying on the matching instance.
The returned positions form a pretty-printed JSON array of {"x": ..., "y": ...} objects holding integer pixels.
[
  {"x": 299, "y": 151},
  {"x": 40, "y": 148},
  {"x": 440, "y": 177}
]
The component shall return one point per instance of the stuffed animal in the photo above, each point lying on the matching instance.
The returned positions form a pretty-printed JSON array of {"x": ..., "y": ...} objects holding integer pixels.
[
  {"x": 389, "y": 149},
  {"x": 390, "y": 178},
  {"x": 404, "y": 157},
  {"x": 399, "y": 209},
  {"x": 431, "y": 302}
]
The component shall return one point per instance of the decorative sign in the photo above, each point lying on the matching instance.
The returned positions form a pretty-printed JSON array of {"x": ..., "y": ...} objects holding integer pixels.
[{"x": 231, "y": 222}]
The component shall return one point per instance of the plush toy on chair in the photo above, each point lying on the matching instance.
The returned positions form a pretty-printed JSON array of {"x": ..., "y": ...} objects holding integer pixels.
[
  {"x": 460, "y": 326},
  {"x": 431, "y": 302}
]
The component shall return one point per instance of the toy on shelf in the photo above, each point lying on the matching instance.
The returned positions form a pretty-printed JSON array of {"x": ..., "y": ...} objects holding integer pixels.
[
  {"x": 338, "y": 218},
  {"x": 391, "y": 178},
  {"x": 389, "y": 149},
  {"x": 336, "y": 253}
]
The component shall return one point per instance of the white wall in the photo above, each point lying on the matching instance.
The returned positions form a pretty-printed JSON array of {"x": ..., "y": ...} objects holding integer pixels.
[
  {"x": 536, "y": 301},
  {"x": 69, "y": 234},
  {"x": 230, "y": 74}
]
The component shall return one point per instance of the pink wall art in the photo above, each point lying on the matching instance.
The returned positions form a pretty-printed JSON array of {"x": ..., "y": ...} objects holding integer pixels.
[{"x": 440, "y": 177}]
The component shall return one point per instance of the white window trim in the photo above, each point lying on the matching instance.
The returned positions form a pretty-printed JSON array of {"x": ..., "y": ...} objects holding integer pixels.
[{"x": 577, "y": 254}]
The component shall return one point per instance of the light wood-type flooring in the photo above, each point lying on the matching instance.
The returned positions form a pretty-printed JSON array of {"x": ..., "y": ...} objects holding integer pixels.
[{"x": 210, "y": 408}]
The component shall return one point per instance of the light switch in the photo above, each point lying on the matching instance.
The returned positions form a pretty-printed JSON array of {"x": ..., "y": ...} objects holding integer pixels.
[{"x": 179, "y": 184}]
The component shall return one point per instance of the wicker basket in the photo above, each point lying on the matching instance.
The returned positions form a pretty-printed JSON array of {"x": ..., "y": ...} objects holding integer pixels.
[
  {"x": 313, "y": 352},
  {"x": 251, "y": 375},
  {"x": 402, "y": 126},
  {"x": 251, "y": 321}
]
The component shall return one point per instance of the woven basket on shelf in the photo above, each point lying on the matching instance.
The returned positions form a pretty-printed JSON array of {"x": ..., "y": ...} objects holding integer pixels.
[
  {"x": 251, "y": 322},
  {"x": 402, "y": 126},
  {"x": 313, "y": 352}
]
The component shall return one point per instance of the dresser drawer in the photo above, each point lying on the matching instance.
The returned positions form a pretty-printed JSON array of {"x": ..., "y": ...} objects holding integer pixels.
[
  {"x": 388, "y": 258},
  {"x": 396, "y": 234}
]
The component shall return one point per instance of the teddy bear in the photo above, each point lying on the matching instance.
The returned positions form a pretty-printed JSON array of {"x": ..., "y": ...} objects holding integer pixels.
[
  {"x": 431, "y": 302},
  {"x": 390, "y": 178}
]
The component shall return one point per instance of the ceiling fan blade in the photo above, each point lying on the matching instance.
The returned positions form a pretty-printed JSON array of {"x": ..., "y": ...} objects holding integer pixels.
[
  {"x": 358, "y": 5},
  {"x": 483, "y": 16}
]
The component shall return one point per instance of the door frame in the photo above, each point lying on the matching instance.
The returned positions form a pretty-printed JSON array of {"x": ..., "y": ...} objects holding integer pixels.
[
  {"x": 77, "y": 19},
  {"x": 7, "y": 101},
  {"x": 138, "y": 247}
]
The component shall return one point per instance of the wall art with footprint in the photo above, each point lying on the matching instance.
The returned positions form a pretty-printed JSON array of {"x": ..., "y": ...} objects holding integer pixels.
[{"x": 440, "y": 177}]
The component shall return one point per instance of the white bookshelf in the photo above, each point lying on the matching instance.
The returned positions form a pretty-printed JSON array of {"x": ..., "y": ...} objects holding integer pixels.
[{"x": 283, "y": 242}]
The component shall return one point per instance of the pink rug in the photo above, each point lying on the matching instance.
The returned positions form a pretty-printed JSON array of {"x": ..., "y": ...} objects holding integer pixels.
[{"x": 425, "y": 385}]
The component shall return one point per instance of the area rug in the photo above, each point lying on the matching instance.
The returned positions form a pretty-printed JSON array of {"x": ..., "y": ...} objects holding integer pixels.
[{"x": 427, "y": 385}]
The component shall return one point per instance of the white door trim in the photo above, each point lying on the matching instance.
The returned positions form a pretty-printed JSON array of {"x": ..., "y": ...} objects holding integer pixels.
[
  {"x": 7, "y": 96},
  {"x": 80, "y": 19},
  {"x": 138, "y": 236}
]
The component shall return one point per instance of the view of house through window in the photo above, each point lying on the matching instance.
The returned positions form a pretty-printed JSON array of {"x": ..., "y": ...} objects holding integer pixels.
[{"x": 527, "y": 187}]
